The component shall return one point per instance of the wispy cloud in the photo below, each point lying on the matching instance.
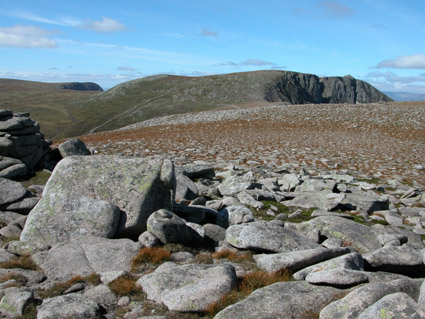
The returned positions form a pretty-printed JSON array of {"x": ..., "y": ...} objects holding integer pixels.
[
  {"x": 106, "y": 25},
  {"x": 336, "y": 10},
  {"x": 252, "y": 62},
  {"x": 26, "y": 37},
  {"x": 126, "y": 68},
  {"x": 415, "y": 61},
  {"x": 209, "y": 33},
  {"x": 389, "y": 81},
  {"x": 61, "y": 21}
]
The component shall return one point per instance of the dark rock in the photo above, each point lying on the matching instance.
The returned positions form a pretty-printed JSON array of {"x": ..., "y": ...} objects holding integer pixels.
[{"x": 73, "y": 146}]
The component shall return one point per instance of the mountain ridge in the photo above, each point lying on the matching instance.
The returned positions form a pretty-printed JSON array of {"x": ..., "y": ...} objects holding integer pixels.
[{"x": 160, "y": 95}]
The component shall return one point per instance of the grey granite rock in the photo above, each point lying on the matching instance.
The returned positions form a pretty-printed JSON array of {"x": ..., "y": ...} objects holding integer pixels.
[
  {"x": 73, "y": 306},
  {"x": 188, "y": 287}
]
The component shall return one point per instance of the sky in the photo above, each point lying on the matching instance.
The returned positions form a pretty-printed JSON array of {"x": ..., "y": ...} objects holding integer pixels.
[{"x": 110, "y": 42}]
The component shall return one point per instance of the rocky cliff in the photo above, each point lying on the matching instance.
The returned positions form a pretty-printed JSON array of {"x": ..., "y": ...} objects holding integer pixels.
[
  {"x": 79, "y": 86},
  {"x": 300, "y": 88}
]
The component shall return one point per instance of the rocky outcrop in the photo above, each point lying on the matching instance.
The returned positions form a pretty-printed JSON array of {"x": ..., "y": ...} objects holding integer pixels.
[
  {"x": 20, "y": 143},
  {"x": 301, "y": 88},
  {"x": 100, "y": 195},
  {"x": 81, "y": 86}
]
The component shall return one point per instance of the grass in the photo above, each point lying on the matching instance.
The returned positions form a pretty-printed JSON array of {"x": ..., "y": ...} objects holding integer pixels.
[
  {"x": 125, "y": 286},
  {"x": 60, "y": 287},
  {"x": 151, "y": 256},
  {"x": 24, "y": 262},
  {"x": 262, "y": 213},
  {"x": 250, "y": 282},
  {"x": 203, "y": 258},
  {"x": 238, "y": 257},
  {"x": 19, "y": 280}
]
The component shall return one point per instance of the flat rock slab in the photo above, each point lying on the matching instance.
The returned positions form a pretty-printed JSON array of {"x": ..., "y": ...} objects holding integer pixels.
[
  {"x": 189, "y": 287},
  {"x": 325, "y": 200},
  {"x": 86, "y": 256},
  {"x": 296, "y": 260},
  {"x": 267, "y": 237},
  {"x": 68, "y": 306},
  {"x": 398, "y": 305},
  {"x": 402, "y": 259},
  {"x": 363, "y": 297},
  {"x": 339, "y": 278},
  {"x": 283, "y": 300},
  {"x": 138, "y": 186},
  {"x": 10, "y": 191},
  {"x": 352, "y": 261},
  {"x": 63, "y": 218},
  {"x": 365, "y": 201},
  {"x": 361, "y": 237}
]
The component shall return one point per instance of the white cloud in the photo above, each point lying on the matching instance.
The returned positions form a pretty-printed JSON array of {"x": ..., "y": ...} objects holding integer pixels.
[
  {"x": 25, "y": 37},
  {"x": 389, "y": 81},
  {"x": 105, "y": 25},
  {"x": 415, "y": 61}
]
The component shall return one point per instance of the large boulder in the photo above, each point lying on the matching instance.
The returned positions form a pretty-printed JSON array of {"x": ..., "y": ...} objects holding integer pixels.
[
  {"x": 397, "y": 305},
  {"x": 187, "y": 288},
  {"x": 137, "y": 186},
  {"x": 234, "y": 215},
  {"x": 85, "y": 256},
  {"x": 283, "y": 300},
  {"x": 267, "y": 237},
  {"x": 64, "y": 217},
  {"x": 363, "y": 297}
]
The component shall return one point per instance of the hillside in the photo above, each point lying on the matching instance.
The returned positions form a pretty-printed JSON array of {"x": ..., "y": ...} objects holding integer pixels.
[
  {"x": 46, "y": 102},
  {"x": 161, "y": 95}
]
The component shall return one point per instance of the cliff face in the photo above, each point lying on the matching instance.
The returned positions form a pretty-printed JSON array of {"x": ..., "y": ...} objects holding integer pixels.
[
  {"x": 300, "y": 88},
  {"x": 79, "y": 86}
]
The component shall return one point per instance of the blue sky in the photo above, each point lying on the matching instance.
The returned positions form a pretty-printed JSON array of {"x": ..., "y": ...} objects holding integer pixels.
[{"x": 109, "y": 42}]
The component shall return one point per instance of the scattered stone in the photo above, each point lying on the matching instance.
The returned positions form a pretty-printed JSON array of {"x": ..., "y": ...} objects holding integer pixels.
[
  {"x": 234, "y": 215},
  {"x": 14, "y": 302},
  {"x": 352, "y": 261},
  {"x": 339, "y": 278},
  {"x": 185, "y": 188},
  {"x": 73, "y": 146},
  {"x": 402, "y": 260},
  {"x": 361, "y": 298},
  {"x": 397, "y": 305},
  {"x": 296, "y": 260},
  {"x": 235, "y": 184},
  {"x": 101, "y": 295},
  {"x": 188, "y": 287},
  {"x": 284, "y": 300},
  {"x": 68, "y": 306},
  {"x": 10, "y": 191},
  {"x": 267, "y": 237},
  {"x": 147, "y": 239}
]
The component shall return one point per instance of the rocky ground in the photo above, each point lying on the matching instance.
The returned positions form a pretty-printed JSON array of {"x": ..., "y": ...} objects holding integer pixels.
[
  {"x": 375, "y": 140},
  {"x": 262, "y": 215}
]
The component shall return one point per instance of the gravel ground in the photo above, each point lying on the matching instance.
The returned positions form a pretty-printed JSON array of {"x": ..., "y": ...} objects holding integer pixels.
[{"x": 373, "y": 140}]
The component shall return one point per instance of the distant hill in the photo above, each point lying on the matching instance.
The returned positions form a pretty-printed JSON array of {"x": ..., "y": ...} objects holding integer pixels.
[
  {"x": 405, "y": 96},
  {"x": 160, "y": 95}
]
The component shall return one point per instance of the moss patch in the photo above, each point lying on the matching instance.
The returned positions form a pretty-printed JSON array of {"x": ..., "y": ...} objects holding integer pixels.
[{"x": 40, "y": 178}]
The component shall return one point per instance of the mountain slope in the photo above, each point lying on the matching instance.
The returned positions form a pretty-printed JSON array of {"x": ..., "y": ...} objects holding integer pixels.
[
  {"x": 45, "y": 101},
  {"x": 160, "y": 95},
  {"x": 150, "y": 97}
]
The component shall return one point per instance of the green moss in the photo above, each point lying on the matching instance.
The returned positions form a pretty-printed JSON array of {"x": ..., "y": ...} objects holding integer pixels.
[
  {"x": 40, "y": 178},
  {"x": 262, "y": 213}
]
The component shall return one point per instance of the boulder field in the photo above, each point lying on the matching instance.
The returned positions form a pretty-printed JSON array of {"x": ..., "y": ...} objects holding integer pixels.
[{"x": 133, "y": 237}]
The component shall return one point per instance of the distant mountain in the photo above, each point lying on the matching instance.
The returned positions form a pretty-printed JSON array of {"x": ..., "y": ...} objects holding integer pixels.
[
  {"x": 160, "y": 95},
  {"x": 405, "y": 96}
]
